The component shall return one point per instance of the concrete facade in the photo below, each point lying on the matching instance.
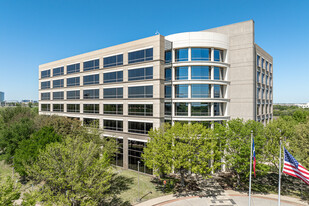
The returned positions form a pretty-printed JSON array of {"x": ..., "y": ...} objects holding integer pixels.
[{"x": 229, "y": 83}]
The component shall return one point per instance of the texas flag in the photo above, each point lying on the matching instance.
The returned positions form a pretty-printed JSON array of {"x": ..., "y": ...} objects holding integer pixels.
[{"x": 254, "y": 159}]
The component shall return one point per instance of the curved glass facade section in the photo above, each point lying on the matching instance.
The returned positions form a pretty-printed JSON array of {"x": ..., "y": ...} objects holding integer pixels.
[
  {"x": 181, "y": 55},
  {"x": 200, "y": 109},
  {"x": 200, "y": 72},
  {"x": 218, "y": 55},
  {"x": 200, "y": 54},
  {"x": 200, "y": 91},
  {"x": 181, "y": 91},
  {"x": 181, "y": 73}
]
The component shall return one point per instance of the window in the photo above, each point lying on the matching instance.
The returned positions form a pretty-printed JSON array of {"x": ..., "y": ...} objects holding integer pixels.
[
  {"x": 200, "y": 72},
  {"x": 266, "y": 65},
  {"x": 89, "y": 122},
  {"x": 58, "y": 83},
  {"x": 113, "y": 60},
  {"x": 135, "y": 150},
  {"x": 140, "y": 92},
  {"x": 45, "y": 74},
  {"x": 58, "y": 107},
  {"x": 91, "y": 94},
  {"x": 181, "y": 91},
  {"x": 200, "y": 109},
  {"x": 258, "y": 92},
  {"x": 168, "y": 74},
  {"x": 258, "y": 60},
  {"x": 218, "y": 73},
  {"x": 113, "y": 109},
  {"x": 116, "y": 125},
  {"x": 91, "y": 65},
  {"x": 168, "y": 57},
  {"x": 167, "y": 108},
  {"x": 200, "y": 91},
  {"x": 269, "y": 69},
  {"x": 58, "y": 71},
  {"x": 113, "y": 93},
  {"x": 140, "y": 74},
  {"x": 73, "y": 81},
  {"x": 45, "y": 96},
  {"x": 263, "y": 78},
  {"x": 266, "y": 79},
  {"x": 200, "y": 54},
  {"x": 139, "y": 127},
  {"x": 45, "y": 107},
  {"x": 218, "y": 91},
  {"x": 218, "y": 55},
  {"x": 263, "y": 63},
  {"x": 118, "y": 157},
  {"x": 218, "y": 109},
  {"x": 45, "y": 85},
  {"x": 181, "y": 73},
  {"x": 168, "y": 91},
  {"x": 91, "y": 108},
  {"x": 57, "y": 95},
  {"x": 141, "y": 109},
  {"x": 91, "y": 79},
  {"x": 113, "y": 77},
  {"x": 140, "y": 56},
  {"x": 74, "y": 68},
  {"x": 181, "y": 55},
  {"x": 73, "y": 108},
  {"x": 258, "y": 76},
  {"x": 73, "y": 94},
  {"x": 181, "y": 109}
]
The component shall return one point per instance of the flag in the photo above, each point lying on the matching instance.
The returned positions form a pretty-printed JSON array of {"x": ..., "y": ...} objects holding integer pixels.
[
  {"x": 254, "y": 159},
  {"x": 293, "y": 168}
]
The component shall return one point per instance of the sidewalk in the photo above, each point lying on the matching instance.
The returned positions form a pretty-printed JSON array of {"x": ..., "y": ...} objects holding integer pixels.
[{"x": 228, "y": 198}]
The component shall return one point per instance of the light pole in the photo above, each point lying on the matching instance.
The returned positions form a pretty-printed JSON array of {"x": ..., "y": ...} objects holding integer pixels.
[{"x": 138, "y": 162}]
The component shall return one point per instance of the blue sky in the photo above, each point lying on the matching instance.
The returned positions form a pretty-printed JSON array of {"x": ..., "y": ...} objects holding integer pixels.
[{"x": 37, "y": 32}]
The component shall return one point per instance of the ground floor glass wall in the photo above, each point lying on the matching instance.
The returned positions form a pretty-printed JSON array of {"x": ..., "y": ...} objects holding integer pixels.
[{"x": 135, "y": 150}]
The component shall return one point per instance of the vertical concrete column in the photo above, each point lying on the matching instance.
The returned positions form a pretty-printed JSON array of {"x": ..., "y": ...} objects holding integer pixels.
[
  {"x": 81, "y": 108},
  {"x": 173, "y": 56},
  {"x": 212, "y": 73},
  {"x": 65, "y": 69},
  {"x": 125, "y": 75},
  {"x": 189, "y": 73},
  {"x": 101, "y": 62},
  {"x": 125, "y": 153},
  {"x": 101, "y": 123},
  {"x": 212, "y": 113},
  {"x": 81, "y": 80},
  {"x": 81, "y": 66},
  {"x": 189, "y": 109},
  {"x": 125, "y": 125},
  {"x": 212, "y": 91},
  {"x": 82, "y": 120},
  {"x": 189, "y": 91},
  {"x": 100, "y": 108},
  {"x": 189, "y": 54},
  {"x": 212, "y": 54},
  {"x": 101, "y": 78},
  {"x": 125, "y": 108},
  {"x": 101, "y": 90},
  {"x": 65, "y": 82}
]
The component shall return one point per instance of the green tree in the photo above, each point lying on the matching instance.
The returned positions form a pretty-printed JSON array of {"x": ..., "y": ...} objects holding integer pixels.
[
  {"x": 28, "y": 149},
  {"x": 74, "y": 173},
  {"x": 9, "y": 191}
]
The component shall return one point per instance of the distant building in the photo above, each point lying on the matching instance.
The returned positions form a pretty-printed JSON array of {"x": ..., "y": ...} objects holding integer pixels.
[
  {"x": 1, "y": 96},
  {"x": 306, "y": 105}
]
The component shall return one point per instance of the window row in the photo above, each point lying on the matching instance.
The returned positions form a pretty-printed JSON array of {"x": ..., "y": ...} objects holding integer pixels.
[
  {"x": 195, "y": 73},
  {"x": 261, "y": 62},
  {"x": 197, "y": 54},
  {"x": 133, "y": 75},
  {"x": 197, "y": 91},
  {"x": 263, "y": 93},
  {"x": 116, "y": 60},
  {"x": 108, "y": 109},
  {"x": 196, "y": 108},
  {"x": 264, "y": 79}
]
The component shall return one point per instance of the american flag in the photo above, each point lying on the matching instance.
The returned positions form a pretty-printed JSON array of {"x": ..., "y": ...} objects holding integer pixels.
[{"x": 293, "y": 168}]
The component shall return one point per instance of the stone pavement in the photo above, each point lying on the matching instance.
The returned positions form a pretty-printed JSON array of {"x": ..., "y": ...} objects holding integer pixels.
[{"x": 227, "y": 198}]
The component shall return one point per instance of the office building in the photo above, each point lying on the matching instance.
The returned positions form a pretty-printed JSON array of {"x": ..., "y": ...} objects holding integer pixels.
[
  {"x": 207, "y": 76},
  {"x": 1, "y": 96}
]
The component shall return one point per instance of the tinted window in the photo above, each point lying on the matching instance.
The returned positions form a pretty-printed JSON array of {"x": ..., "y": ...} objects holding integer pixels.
[
  {"x": 73, "y": 94},
  {"x": 73, "y": 68},
  {"x": 91, "y": 65},
  {"x": 140, "y": 74},
  {"x": 141, "y": 92},
  {"x": 181, "y": 109},
  {"x": 91, "y": 94},
  {"x": 73, "y": 108},
  {"x": 141, "y": 109},
  {"x": 218, "y": 91},
  {"x": 75, "y": 81},
  {"x": 181, "y": 55},
  {"x": 113, "y": 60},
  {"x": 45, "y": 74},
  {"x": 200, "y": 109},
  {"x": 113, "y": 125},
  {"x": 57, "y": 95},
  {"x": 200, "y": 72},
  {"x": 112, "y": 93},
  {"x": 91, "y": 79},
  {"x": 89, "y": 122},
  {"x": 218, "y": 109},
  {"x": 91, "y": 108},
  {"x": 141, "y": 55},
  {"x": 168, "y": 57},
  {"x": 45, "y": 85},
  {"x": 113, "y": 77},
  {"x": 58, "y": 107},
  {"x": 218, "y": 73},
  {"x": 58, "y": 71},
  {"x": 181, "y": 91},
  {"x": 200, "y": 91},
  {"x": 113, "y": 109},
  {"x": 167, "y": 108},
  {"x": 200, "y": 54},
  {"x": 58, "y": 83},
  {"x": 140, "y": 127},
  {"x": 168, "y": 74},
  {"x": 168, "y": 91},
  {"x": 45, "y": 96},
  {"x": 218, "y": 55},
  {"x": 181, "y": 73},
  {"x": 45, "y": 107}
]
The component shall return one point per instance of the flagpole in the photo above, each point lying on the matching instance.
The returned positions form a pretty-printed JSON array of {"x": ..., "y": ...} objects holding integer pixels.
[
  {"x": 279, "y": 186},
  {"x": 250, "y": 169}
]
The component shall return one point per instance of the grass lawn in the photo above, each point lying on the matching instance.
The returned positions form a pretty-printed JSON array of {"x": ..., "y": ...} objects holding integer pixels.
[
  {"x": 146, "y": 186},
  {"x": 5, "y": 169}
]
